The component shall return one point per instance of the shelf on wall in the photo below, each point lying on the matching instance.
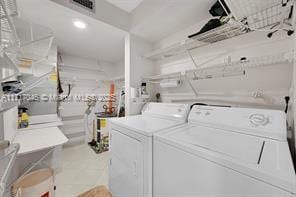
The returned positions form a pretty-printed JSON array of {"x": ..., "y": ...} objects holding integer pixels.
[
  {"x": 8, "y": 9},
  {"x": 223, "y": 32},
  {"x": 22, "y": 43},
  {"x": 226, "y": 69},
  {"x": 8, "y": 38},
  {"x": 256, "y": 10},
  {"x": 34, "y": 40},
  {"x": 8, "y": 68},
  {"x": 74, "y": 69},
  {"x": 29, "y": 85},
  {"x": 260, "y": 19},
  {"x": 226, "y": 31},
  {"x": 69, "y": 80},
  {"x": 173, "y": 75},
  {"x": 10, "y": 100}
]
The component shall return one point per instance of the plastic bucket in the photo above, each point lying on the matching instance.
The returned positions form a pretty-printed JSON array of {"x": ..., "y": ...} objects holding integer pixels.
[{"x": 39, "y": 183}]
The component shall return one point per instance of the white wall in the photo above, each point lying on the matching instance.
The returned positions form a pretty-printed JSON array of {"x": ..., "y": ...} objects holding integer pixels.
[
  {"x": 119, "y": 71},
  {"x": 86, "y": 81},
  {"x": 263, "y": 87},
  {"x": 273, "y": 82},
  {"x": 135, "y": 68}
]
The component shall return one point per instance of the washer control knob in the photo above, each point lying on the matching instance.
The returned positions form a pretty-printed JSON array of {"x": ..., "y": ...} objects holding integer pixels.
[{"x": 259, "y": 119}]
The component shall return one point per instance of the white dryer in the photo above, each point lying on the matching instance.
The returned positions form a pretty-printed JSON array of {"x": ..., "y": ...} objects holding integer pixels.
[
  {"x": 224, "y": 152},
  {"x": 130, "y": 169}
]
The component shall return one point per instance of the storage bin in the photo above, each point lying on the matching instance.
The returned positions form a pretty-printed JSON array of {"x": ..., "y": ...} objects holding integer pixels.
[{"x": 39, "y": 183}]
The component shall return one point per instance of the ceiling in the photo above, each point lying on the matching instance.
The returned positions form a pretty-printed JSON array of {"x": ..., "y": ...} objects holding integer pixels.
[
  {"x": 98, "y": 41},
  {"x": 155, "y": 20},
  {"x": 126, "y": 5},
  {"x": 152, "y": 20}
]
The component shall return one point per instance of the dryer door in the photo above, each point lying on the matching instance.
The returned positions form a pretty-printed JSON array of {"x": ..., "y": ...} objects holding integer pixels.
[{"x": 126, "y": 166}]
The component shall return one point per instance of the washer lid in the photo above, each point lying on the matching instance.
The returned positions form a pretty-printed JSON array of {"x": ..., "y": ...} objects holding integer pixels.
[
  {"x": 235, "y": 145},
  {"x": 261, "y": 158},
  {"x": 258, "y": 122}
]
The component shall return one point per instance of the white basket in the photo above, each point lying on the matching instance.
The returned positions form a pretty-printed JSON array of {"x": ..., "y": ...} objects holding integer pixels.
[{"x": 39, "y": 183}]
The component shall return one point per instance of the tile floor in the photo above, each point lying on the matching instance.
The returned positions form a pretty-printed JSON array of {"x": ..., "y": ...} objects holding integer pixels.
[{"x": 81, "y": 170}]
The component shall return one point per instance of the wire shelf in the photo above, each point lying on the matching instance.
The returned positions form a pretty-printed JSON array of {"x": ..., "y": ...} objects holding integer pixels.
[
  {"x": 8, "y": 9},
  {"x": 254, "y": 62},
  {"x": 241, "y": 9},
  {"x": 223, "y": 32},
  {"x": 249, "y": 15},
  {"x": 225, "y": 69},
  {"x": 34, "y": 43},
  {"x": 268, "y": 17},
  {"x": 7, "y": 66},
  {"x": 221, "y": 74},
  {"x": 226, "y": 31},
  {"x": 8, "y": 38},
  {"x": 24, "y": 42}
]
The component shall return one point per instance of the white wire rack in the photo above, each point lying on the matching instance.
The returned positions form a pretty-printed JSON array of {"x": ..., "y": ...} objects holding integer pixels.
[
  {"x": 249, "y": 63},
  {"x": 7, "y": 157},
  {"x": 23, "y": 42},
  {"x": 228, "y": 69},
  {"x": 7, "y": 65},
  {"x": 35, "y": 42},
  {"x": 267, "y": 17},
  {"x": 34, "y": 82},
  {"x": 249, "y": 15},
  {"x": 8, "y": 38},
  {"x": 226, "y": 31},
  {"x": 29, "y": 85},
  {"x": 244, "y": 8},
  {"x": 8, "y": 9},
  {"x": 74, "y": 69},
  {"x": 264, "y": 15},
  {"x": 81, "y": 81}
]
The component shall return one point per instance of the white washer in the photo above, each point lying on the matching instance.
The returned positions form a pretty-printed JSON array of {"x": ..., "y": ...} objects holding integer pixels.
[
  {"x": 224, "y": 152},
  {"x": 130, "y": 169}
]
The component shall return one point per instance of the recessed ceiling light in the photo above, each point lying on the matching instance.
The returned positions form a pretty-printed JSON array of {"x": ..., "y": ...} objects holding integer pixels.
[{"x": 79, "y": 24}]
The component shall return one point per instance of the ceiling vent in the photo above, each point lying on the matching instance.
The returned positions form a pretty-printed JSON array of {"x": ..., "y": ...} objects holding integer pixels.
[{"x": 87, "y": 4}]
